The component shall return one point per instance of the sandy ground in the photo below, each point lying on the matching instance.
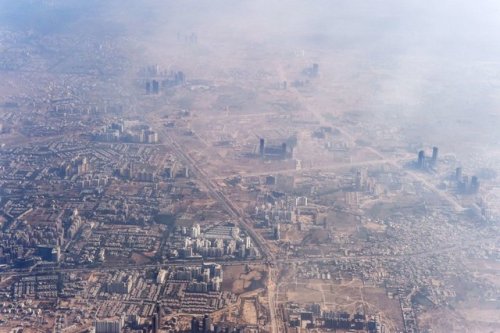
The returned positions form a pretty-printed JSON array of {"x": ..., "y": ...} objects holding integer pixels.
[
  {"x": 249, "y": 312},
  {"x": 349, "y": 296}
]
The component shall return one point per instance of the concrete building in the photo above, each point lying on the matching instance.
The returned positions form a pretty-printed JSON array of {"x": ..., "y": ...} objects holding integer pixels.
[{"x": 108, "y": 326}]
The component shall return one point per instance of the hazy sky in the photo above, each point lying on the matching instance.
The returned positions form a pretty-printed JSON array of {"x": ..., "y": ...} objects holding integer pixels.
[{"x": 425, "y": 59}]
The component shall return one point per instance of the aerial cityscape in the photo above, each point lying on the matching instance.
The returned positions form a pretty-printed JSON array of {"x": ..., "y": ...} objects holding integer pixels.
[{"x": 249, "y": 166}]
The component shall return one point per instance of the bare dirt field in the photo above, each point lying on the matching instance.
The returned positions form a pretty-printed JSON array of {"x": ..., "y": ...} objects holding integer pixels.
[
  {"x": 376, "y": 301},
  {"x": 239, "y": 281},
  {"x": 249, "y": 311},
  {"x": 444, "y": 321},
  {"x": 231, "y": 274},
  {"x": 350, "y": 296}
]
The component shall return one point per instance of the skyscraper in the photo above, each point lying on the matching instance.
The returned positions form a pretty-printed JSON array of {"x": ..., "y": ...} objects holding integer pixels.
[
  {"x": 195, "y": 231},
  {"x": 315, "y": 69},
  {"x": 155, "y": 87},
  {"x": 262, "y": 144},
  {"x": 108, "y": 326},
  {"x": 158, "y": 312},
  {"x": 435, "y": 151},
  {"x": 248, "y": 242},
  {"x": 474, "y": 184},
  {"x": 284, "y": 149},
  {"x": 207, "y": 324},
  {"x": 195, "y": 325},
  {"x": 156, "y": 322},
  {"x": 421, "y": 159}
]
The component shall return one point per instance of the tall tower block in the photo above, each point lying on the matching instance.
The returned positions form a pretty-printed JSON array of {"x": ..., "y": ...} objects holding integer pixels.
[
  {"x": 435, "y": 152},
  {"x": 262, "y": 146},
  {"x": 421, "y": 159}
]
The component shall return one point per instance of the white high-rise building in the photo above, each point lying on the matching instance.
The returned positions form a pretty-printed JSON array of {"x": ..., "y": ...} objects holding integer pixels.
[
  {"x": 248, "y": 242},
  {"x": 195, "y": 231},
  {"x": 108, "y": 326}
]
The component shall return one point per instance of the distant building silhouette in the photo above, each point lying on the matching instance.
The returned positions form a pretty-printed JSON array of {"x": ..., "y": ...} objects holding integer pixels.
[
  {"x": 421, "y": 160},
  {"x": 195, "y": 325},
  {"x": 435, "y": 152},
  {"x": 207, "y": 324},
  {"x": 315, "y": 70},
  {"x": 274, "y": 151},
  {"x": 474, "y": 184},
  {"x": 155, "y": 87}
]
